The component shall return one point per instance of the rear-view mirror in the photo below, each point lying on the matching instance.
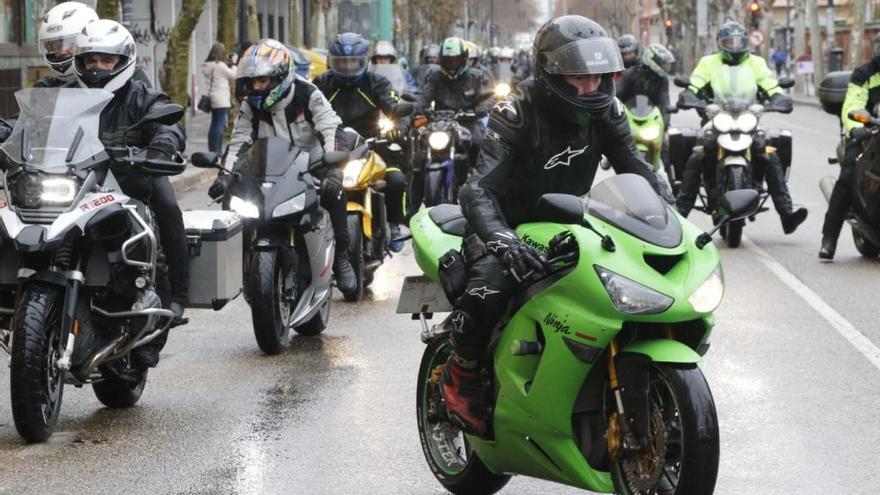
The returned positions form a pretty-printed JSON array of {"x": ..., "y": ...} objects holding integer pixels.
[
  {"x": 205, "y": 159},
  {"x": 786, "y": 82},
  {"x": 167, "y": 114},
  {"x": 682, "y": 81},
  {"x": 403, "y": 109}
]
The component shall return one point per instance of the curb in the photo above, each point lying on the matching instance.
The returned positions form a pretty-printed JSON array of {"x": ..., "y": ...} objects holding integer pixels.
[{"x": 185, "y": 182}]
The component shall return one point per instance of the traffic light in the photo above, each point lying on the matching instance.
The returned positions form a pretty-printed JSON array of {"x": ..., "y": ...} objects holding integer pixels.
[
  {"x": 668, "y": 24},
  {"x": 754, "y": 9}
]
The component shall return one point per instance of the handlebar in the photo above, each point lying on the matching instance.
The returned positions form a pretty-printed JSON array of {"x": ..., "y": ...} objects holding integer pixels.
[{"x": 137, "y": 158}]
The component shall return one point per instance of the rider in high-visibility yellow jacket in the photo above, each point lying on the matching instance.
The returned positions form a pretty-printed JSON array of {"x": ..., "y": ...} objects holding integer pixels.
[
  {"x": 730, "y": 73},
  {"x": 862, "y": 93}
]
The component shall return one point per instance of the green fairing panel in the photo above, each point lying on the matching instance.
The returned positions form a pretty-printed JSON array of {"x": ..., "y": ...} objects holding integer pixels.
[{"x": 664, "y": 351}]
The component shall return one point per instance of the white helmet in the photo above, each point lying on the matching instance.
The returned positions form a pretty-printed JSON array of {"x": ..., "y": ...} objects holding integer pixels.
[
  {"x": 58, "y": 32},
  {"x": 384, "y": 49},
  {"x": 108, "y": 37}
]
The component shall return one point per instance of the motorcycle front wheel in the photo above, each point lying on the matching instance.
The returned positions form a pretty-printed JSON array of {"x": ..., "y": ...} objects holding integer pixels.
[
  {"x": 684, "y": 450},
  {"x": 36, "y": 382},
  {"x": 270, "y": 307},
  {"x": 447, "y": 452},
  {"x": 735, "y": 180},
  {"x": 865, "y": 247}
]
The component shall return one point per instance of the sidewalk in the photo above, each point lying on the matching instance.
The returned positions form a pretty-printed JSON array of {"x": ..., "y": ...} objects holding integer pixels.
[{"x": 196, "y": 140}]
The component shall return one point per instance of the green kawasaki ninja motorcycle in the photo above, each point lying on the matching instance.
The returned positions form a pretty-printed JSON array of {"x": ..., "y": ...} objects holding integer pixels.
[{"x": 592, "y": 379}]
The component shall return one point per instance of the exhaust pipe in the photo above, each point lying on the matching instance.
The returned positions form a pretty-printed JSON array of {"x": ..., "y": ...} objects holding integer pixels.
[{"x": 101, "y": 356}]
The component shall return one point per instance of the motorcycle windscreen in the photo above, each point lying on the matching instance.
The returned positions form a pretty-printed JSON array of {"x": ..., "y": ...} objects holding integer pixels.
[
  {"x": 394, "y": 74},
  {"x": 628, "y": 202},
  {"x": 734, "y": 87},
  {"x": 640, "y": 107},
  {"x": 56, "y": 127},
  {"x": 269, "y": 157}
]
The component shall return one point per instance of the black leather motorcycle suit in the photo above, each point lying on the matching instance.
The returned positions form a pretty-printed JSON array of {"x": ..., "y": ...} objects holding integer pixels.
[
  {"x": 359, "y": 104},
  {"x": 528, "y": 152},
  {"x": 640, "y": 80},
  {"x": 129, "y": 105}
]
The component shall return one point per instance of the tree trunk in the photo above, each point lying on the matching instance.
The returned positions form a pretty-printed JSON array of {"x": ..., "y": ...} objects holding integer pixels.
[
  {"x": 296, "y": 31},
  {"x": 253, "y": 24},
  {"x": 176, "y": 66},
  {"x": 815, "y": 41},
  {"x": 108, "y": 9},
  {"x": 800, "y": 39},
  {"x": 226, "y": 19},
  {"x": 857, "y": 52}
]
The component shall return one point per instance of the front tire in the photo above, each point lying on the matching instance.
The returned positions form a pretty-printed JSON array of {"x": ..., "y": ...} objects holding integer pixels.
[
  {"x": 36, "y": 383},
  {"x": 447, "y": 452},
  {"x": 356, "y": 255},
  {"x": 865, "y": 247},
  {"x": 269, "y": 309},
  {"x": 735, "y": 181},
  {"x": 685, "y": 404}
]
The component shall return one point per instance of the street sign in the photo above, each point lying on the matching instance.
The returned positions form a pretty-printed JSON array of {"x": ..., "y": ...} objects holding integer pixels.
[{"x": 756, "y": 37}]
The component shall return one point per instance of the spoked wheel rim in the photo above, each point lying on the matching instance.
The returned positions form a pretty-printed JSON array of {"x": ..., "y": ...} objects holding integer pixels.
[
  {"x": 53, "y": 379},
  {"x": 666, "y": 422},
  {"x": 446, "y": 443}
]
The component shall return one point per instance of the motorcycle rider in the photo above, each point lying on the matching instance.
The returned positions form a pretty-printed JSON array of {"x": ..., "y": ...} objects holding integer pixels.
[
  {"x": 57, "y": 40},
  {"x": 629, "y": 50},
  {"x": 385, "y": 53},
  {"x": 548, "y": 137},
  {"x": 474, "y": 53},
  {"x": 863, "y": 93},
  {"x": 358, "y": 96},
  {"x": 649, "y": 78},
  {"x": 456, "y": 86},
  {"x": 429, "y": 57},
  {"x": 280, "y": 103},
  {"x": 105, "y": 58},
  {"x": 733, "y": 50}
]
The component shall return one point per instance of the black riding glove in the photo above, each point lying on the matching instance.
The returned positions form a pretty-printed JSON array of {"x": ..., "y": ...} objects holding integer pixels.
[
  {"x": 159, "y": 152},
  {"x": 396, "y": 133},
  {"x": 859, "y": 133},
  {"x": 218, "y": 188},
  {"x": 525, "y": 263},
  {"x": 687, "y": 99},
  {"x": 332, "y": 183},
  {"x": 781, "y": 103}
]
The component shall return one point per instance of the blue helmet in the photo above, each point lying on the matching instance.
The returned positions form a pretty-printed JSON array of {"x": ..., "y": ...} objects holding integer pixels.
[{"x": 349, "y": 56}]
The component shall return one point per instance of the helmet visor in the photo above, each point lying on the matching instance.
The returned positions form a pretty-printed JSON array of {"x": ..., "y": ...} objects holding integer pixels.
[
  {"x": 452, "y": 63},
  {"x": 734, "y": 43},
  {"x": 585, "y": 56},
  {"x": 348, "y": 66},
  {"x": 59, "y": 49}
]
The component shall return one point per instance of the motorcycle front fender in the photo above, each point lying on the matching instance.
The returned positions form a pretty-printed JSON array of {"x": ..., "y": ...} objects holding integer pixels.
[{"x": 664, "y": 351}]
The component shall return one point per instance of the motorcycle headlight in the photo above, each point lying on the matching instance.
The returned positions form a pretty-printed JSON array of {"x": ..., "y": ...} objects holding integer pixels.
[
  {"x": 352, "y": 172},
  {"x": 650, "y": 133},
  {"x": 723, "y": 122},
  {"x": 27, "y": 191},
  {"x": 385, "y": 124},
  {"x": 291, "y": 206},
  {"x": 630, "y": 297},
  {"x": 438, "y": 140},
  {"x": 746, "y": 122},
  {"x": 58, "y": 191},
  {"x": 244, "y": 208},
  {"x": 502, "y": 90},
  {"x": 708, "y": 296}
]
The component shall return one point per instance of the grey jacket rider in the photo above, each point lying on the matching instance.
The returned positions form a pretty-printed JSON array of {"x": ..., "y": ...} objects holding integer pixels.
[{"x": 313, "y": 122}]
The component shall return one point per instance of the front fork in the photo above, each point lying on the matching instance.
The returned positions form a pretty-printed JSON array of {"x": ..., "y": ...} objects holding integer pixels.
[{"x": 629, "y": 424}]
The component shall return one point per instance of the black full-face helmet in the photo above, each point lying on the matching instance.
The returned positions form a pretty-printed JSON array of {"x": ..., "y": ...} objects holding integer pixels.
[
  {"x": 629, "y": 49},
  {"x": 575, "y": 45}
]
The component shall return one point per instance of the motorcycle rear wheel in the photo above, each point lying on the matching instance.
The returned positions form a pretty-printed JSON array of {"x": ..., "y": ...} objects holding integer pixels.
[
  {"x": 268, "y": 307},
  {"x": 460, "y": 470},
  {"x": 691, "y": 428},
  {"x": 116, "y": 392},
  {"x": 36, "y": 382},
  {"x": 865, "y": 247}
]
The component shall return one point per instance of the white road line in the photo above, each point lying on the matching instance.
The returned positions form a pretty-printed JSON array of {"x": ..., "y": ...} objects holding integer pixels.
[{"x": 841, "y": 324}]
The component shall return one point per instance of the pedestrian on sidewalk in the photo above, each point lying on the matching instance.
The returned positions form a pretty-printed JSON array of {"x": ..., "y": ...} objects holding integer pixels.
[
  {"x": 779, "y": 58},
  {"x": 217, "y": 75}
]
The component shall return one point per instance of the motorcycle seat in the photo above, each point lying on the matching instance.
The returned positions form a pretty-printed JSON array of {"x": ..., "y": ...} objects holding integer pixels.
[{"x": 449, "y": 218}]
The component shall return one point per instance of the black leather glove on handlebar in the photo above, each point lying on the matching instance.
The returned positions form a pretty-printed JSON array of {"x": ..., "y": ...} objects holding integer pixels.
[
  {"x": 859, "y": 133},
  {"x": 687, "y": 99},
  {"x": 781, "y": 103},
  {"x": 525, "y": 263},
  {"x": 332, "y": 183},
  {"x": 218, "y": 188},
  {"x": 156, "y": 151}
]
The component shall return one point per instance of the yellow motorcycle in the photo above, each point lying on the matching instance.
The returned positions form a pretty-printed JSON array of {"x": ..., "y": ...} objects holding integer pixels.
[{"x": 363, "y": 181}]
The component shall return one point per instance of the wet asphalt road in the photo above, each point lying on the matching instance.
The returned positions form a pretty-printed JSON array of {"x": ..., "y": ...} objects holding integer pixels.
[{"x": 335, "y": 414}]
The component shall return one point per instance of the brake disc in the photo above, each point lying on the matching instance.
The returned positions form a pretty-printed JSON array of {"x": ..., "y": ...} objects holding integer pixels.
[{"x": 642, "y": 470}]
